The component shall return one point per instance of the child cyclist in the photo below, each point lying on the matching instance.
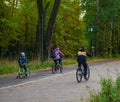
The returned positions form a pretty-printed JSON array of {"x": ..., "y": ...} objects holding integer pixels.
[{"x": 23, "y": 63}]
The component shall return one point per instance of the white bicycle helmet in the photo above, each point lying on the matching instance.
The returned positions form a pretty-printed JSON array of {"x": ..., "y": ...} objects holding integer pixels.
[{"x": 22, "y": 54}]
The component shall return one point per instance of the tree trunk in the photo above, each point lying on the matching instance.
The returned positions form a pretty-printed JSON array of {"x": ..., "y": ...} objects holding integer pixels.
[
  {"x": 97, "y": 22},
  {"x": 45, "y": 46},
  {"x": 39, "y": 29},
  {"x": 49, "y": 31}
]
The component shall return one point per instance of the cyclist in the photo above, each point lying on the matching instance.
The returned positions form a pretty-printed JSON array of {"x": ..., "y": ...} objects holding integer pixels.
[
  {"x": 81, "y": 58},
  {"x": 58, "y": 56},
  {"x": 23, "y": 63}
]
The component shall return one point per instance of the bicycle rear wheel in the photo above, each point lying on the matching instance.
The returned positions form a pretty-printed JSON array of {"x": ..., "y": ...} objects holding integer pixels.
[
  {"x": 78, "y": 75},
  {"x": 28, "y": 73},
  {"x": 53, "y": 69},
  {"x": 20, "y": 76},
  {"x": 88, "y": 73},
  {"x": 61, "y": 68}
]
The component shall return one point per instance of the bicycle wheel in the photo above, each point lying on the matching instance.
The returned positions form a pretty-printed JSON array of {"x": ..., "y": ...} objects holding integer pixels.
[
  {"x": 28, "y": 73},
  {"x": 60, "y": 68},
  {"x": 53, "y": 69},
  {"x": 88, "y": 73},
  {"x": 20, "y": 76},
  {"x": 78, "y": 75}
]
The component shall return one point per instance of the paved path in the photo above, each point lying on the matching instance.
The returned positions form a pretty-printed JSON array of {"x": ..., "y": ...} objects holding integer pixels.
[{"x": 61, "y": 87}]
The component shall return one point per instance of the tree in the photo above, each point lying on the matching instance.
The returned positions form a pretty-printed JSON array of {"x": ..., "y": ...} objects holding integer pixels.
[
  {"x": 8, "y": 28},
  {"x": 69, "y": 32},
  {"x": 103, "y": 16},
  {"x": 49, "y": 31},
  {"x": 17, "y": 29},
  {"x": 48, "y": 36},
  {"x": 39, "y": 29}
]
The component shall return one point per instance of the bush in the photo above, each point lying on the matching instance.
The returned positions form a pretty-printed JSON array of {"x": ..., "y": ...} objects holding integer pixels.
[{"x": 110, "y": 91}]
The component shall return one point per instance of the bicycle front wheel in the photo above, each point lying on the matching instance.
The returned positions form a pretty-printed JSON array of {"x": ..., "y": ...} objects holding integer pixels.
[{"x": 78, "y": 75}]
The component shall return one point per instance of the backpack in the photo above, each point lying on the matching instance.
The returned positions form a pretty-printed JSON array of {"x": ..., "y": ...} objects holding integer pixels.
[{"x": 53, "y": 55}]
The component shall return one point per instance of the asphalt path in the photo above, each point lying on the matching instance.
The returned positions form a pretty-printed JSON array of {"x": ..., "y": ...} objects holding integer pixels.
[{"x": 43, "y": 86}]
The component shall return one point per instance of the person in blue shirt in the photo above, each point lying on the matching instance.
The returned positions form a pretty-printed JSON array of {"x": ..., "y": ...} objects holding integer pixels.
[{"x": 23, "y": 63}]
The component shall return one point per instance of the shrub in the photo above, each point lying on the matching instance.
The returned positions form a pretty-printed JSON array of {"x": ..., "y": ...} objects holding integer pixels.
[{"x": 110, "y": 91}]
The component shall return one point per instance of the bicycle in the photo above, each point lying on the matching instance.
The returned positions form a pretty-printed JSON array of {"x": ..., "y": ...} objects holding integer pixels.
[
  {"x": 58, "y": 67},
  {"x": 21, "y": 75},
  {"x": 80, "y": 73}
]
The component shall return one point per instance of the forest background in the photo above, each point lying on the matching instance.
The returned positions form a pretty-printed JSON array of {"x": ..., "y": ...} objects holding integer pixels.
[{"x": 37, "y": 26}]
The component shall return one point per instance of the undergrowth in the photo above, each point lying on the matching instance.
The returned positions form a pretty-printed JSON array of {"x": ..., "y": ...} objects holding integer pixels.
[{"x": 110, "y": 91}]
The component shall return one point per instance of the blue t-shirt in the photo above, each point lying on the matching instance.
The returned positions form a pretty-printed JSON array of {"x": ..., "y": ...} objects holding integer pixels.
[{"x": 22, "y": 61}]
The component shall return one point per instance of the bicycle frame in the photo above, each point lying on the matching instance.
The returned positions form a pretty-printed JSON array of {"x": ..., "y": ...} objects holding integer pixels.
[
  {"x": 21, "y": 73},
  {"x": 57, "y": 67}
]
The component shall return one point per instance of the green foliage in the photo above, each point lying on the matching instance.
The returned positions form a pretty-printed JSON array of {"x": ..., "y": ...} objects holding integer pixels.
[
  {"x": 105, "y": 24},
  {"x": 69, "y": 33},
  {"x": 19, "y": 23},
  {"x": 18, "y": 27},
  {"x": 110, "y": 91},
  {"x": 7, "y": 67}
]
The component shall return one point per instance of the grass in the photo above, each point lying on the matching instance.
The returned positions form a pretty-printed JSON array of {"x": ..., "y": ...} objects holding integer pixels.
[
  {"x": 110, "y": 91},
  {"x": 9, "y": 67}
]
